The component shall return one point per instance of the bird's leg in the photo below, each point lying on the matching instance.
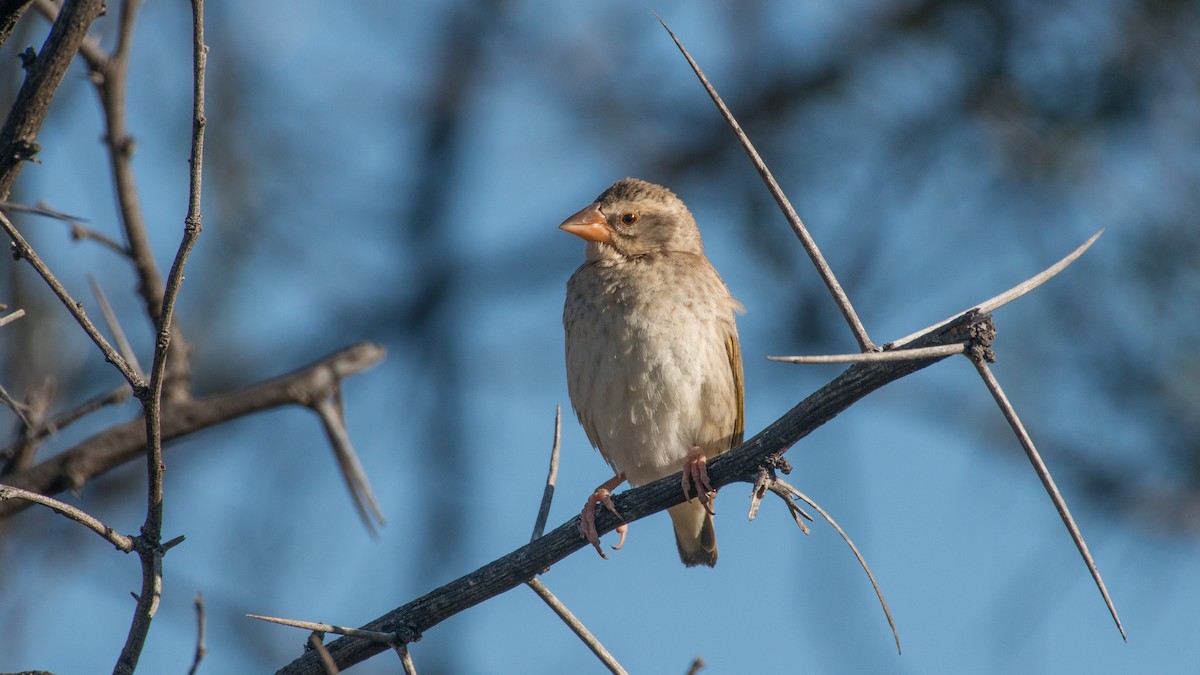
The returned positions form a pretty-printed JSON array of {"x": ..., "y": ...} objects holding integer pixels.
[
  {"x": 602, "y": 495},
  {"x": 695, "y": 477}
]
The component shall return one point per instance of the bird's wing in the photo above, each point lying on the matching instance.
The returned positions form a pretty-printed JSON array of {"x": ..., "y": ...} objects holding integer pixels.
[{"x": 734, "y": 351}]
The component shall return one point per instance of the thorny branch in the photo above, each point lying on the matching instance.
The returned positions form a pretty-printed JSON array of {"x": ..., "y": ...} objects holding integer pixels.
[
  {"x": 149, "y": 542},
  {"x": 72, "y": 468}
]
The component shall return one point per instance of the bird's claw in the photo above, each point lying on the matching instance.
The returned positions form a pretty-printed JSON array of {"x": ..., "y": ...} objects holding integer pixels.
[
  {"x": 587, "y": 526},
  {"x": 695, "y": 479}
]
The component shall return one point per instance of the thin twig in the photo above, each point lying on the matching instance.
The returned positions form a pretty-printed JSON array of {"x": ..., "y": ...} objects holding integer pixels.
[
  {"x": 114, "y": 326},
  {"x": 22, "y": 249},
  {"x": 875, "y": 357},
  {"x": 38, "y": 210},
  {"x": 201, "y": 649},
  {"x": 806, "y": 240},
  {"x": 784, "y": 490},
  {"x": 996, "y": 302},
  {"x": 117, "y": 445},
  {"x": 539, "y": 525},
  {"x": 351, "y": 468},
  {"x": 696, "y": 666},
  {"x": 18, "y": 409},
  {"x": 150, "y": 550},
  {"x": 9, "y": 318},
  {"x": 66, "y": 418},
  {"x": 1043, "y": 475},
  {"x": 120, "y": 541},
  {"x": 575, "y": 625}
]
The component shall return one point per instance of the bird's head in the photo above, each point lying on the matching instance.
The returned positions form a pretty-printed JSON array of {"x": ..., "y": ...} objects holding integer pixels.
[{"x": 633, "y": 218}]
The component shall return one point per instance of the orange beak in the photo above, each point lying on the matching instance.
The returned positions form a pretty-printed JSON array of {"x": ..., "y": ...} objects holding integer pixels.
[{"x": 588, "y": 223}]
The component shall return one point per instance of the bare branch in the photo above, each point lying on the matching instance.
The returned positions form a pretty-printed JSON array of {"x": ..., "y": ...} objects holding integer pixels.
[
  {"x": 18, "y": 409},
  {"x": 149, "y": 549},
  {"x": 38, "y": 210},
  {"x": 65, "y": 419},
  {"x": 11, "y": 317},
  {"x": 120, "y": 541},
  {"x": 22, "y": 249},
  {"x": 72, "y": 468},
  {"x": 806, "y": 240},
  {"x": 201, "y": 649},
  {"x": 18, "y": 138},
  {"x": 577, "y": 626},
  {"x": 1043, "y": 475},
  {"x": 786, "y": 492},
  {"x": 538, "y": 587}
]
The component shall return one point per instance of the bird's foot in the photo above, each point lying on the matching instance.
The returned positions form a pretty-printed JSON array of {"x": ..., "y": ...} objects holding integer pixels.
[
  {"x": 695, "y": 478},
  {"x": 602, "y": 496}
]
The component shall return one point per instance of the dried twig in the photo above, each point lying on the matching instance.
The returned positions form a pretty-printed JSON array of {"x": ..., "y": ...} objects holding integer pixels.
[
  {"x": 1043, "y": 474},
  {"x": 201, "y": 649},
  {"x": 538, "y": 587},
  {"x": 150, "y": 551},
  {"x": 19, "y": 409},
  {"x": 66, "y": 418},
  {"x": 787, "y": 492},
  {"x": 72, "y": 468},
  {"x": 38, "y": 210},
  {"x": 22, "y": 250},
  {"x": 120, "y": 541},
  {"x": 18, "y": 137},
  {"x": 11, "y": 317},
  {"x": 576, "y": 626},
  {"x": 806, "y": 240}
]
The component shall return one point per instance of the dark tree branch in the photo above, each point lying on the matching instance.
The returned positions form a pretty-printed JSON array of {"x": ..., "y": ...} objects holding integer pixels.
[
  {"x": 18, "y": 138},
  {"x": 101, "y": 453}
]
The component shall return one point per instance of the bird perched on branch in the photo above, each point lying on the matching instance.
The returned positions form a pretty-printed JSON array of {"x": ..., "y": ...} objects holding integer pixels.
[{"x": 654, "y": 368}]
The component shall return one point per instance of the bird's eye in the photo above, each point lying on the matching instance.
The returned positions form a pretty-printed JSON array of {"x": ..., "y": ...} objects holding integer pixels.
[{"x": 629, "y": 218}]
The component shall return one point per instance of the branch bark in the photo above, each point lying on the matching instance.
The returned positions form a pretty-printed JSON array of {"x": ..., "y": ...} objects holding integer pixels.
[
  {"x": 18, "y": 138},
  {"x": 101, "y": 453}
]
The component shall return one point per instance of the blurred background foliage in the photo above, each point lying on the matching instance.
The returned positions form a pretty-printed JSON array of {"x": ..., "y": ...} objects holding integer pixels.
[{"x": 395, "y": 172}]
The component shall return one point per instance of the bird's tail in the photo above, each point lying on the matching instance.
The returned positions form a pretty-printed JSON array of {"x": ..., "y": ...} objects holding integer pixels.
[{"x": 694, "y": 534}]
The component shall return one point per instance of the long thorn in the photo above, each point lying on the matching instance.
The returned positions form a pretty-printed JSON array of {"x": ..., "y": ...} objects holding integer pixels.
[
  {"x": 1047, "y": 482},
  {"x": 806, "y": 240}
]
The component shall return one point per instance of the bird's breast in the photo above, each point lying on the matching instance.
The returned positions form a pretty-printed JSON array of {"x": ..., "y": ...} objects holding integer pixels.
[{"x": 645, "y": 353}]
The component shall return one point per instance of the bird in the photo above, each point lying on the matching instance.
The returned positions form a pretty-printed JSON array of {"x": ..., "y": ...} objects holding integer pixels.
[{"x": 654, "y": 367}]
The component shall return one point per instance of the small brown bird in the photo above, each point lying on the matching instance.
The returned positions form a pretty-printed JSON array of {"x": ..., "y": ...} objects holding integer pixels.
[{"x": 653, "y": 363}]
